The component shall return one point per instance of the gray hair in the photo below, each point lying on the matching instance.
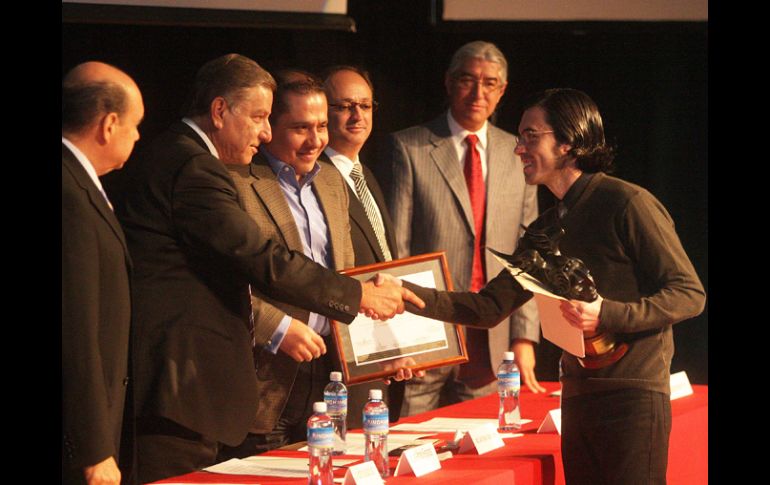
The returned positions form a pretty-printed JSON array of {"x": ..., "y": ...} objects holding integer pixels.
[{"x": 478, "y": 49}]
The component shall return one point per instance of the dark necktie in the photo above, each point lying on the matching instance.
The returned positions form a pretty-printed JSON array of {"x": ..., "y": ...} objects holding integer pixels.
[
  {"x": 368, "y": 202},
  {"x": 474, "y": 179}
]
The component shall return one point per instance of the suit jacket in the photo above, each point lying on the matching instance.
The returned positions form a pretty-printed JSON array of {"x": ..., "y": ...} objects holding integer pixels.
[
  {"x": 195, "y": 252},
  {"x": 264, "y": 200},
  {"x": 367, "y": 251},
  {"x": 431, "y": 211},
  {"x": 96, "y": 313}
]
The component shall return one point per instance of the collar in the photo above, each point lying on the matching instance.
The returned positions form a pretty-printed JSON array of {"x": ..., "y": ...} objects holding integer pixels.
[
  {"x": 577, "y": 189},
  {"x": 85, "y": 162},
  {"x": 286, "y": 172},
  {"x": 342, "y": 162},
  {"x": 459, "y": 133},
  {"x": 206, "y": 139}
]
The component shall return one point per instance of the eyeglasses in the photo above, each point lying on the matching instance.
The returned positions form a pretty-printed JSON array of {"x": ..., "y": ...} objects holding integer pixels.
[
  {"x": 528, "y": 137},
  {"x": 487, "y": 85},
  {"x": 351, "y": 106}
]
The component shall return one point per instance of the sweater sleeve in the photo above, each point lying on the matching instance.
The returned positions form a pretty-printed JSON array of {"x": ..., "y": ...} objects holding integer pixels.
[
  {"x": 671, "y": 289},
  {"x": 485, "y": 309}
]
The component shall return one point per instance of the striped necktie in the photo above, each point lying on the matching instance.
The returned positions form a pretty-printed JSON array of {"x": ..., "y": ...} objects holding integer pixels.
[{"x": 367, "y": 201}]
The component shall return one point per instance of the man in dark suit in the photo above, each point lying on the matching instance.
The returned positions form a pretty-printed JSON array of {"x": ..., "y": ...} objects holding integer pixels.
[
  {"x": 197, "y": 253},
  {"x": 458, "y": 187},
  {"x": 350, "y": 95},
  {"x": 101, "y": 110}
]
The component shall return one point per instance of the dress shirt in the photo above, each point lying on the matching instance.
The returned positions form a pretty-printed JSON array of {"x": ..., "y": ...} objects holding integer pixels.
[
  {"x": 89, "y": 168},
  {"x": 345, "y": 166},
  {"x": 461, "y": 146},
  {"x": 310, "y": 220}
]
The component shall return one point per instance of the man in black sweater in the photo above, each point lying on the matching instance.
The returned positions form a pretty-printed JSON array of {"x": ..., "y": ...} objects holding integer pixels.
[{"x": 616, "y": 419}]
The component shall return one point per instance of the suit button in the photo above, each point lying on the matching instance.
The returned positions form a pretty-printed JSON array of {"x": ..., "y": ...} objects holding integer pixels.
[
  {"x": 347, "y": 308},
  {"x": 331, "y": 304},
  {"x": 125, "y": 381}
]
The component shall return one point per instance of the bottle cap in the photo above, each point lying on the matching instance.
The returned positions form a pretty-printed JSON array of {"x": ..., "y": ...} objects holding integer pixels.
[
  {"x": 375, "y": 394},
  {"x": 319, "y": 407},
  {"x": 335, "y": 376},
  {"x": 508, "y": 356}
]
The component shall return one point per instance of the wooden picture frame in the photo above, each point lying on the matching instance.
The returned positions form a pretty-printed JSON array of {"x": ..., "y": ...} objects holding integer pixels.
[{"x": 367, "y": 350}]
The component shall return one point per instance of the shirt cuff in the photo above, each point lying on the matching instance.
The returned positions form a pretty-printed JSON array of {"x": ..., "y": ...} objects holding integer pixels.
[{"x": 280, "y": 332}]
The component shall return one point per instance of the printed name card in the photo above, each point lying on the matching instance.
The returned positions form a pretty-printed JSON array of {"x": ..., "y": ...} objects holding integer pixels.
[
  {"x": 363, "y": 474},
  {"x": 552, "y": 422},
  {"x": 419, "y": 460},
  {"x": 680, "y": 385},
  {"x": 482, "y": 439}
]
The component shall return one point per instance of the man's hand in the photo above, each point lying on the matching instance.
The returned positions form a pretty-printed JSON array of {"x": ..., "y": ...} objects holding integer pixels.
[
  {"x": 524, "y": 353},
  {"x": 383, "y": 297},
  {"x": 403, "y": 373},
  {"x": 582, "y": 314},
  {"x": 103, "y": 473},
  {"x": 301, "y": 343}
]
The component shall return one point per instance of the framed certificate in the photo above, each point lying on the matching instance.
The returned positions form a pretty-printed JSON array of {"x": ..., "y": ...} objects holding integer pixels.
[{"x": 370, "y": 349}]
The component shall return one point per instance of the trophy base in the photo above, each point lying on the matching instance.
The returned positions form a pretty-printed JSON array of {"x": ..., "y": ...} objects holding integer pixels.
[{"x": 602, "y": 351}]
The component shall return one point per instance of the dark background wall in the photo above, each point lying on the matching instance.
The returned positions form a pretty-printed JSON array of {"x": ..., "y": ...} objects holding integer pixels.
[{"x": 649, "y": 79}]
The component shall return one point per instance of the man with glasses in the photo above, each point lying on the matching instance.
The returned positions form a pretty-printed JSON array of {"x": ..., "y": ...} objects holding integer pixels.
[
  {"x": 350, "y": 94},
  {"x": 458, "y": 187}
]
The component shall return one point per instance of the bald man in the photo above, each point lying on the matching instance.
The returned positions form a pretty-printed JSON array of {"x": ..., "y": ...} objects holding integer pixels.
[{"x": 101, "y": 110}]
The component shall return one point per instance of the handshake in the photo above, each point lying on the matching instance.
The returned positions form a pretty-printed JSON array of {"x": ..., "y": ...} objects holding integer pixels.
[{"x": 383, "y": 297}]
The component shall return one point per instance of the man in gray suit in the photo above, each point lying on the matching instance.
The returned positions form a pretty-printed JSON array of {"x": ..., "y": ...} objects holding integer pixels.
[{"x": 458, "y": 187}]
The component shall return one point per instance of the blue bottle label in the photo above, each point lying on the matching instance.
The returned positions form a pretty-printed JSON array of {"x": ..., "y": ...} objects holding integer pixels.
[
  {"x": 509, "y": 381},
  {"x": 376, "y": 423},
  {"x": 336, "y": 402},
  {"x": 321, "y": 437}
]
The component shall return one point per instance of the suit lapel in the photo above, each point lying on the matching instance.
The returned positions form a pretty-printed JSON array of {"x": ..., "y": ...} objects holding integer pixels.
[
  {"x": 445, "y": 158},
  {"x": 359, "y": 218},
  {"x": 334, "y": 210},
  {"x": 269, "y": 192},
  {"x": 95, "y": 197},
  {"x": 498, "y": 162}
]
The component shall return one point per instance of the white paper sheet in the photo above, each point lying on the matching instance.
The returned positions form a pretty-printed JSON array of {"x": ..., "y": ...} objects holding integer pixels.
[
  {"x": 449, "y": 425},
  {"x": 555, "y": 327},
  {"x": 270, "y": 466},
  {"x": 376, "y": 341}
]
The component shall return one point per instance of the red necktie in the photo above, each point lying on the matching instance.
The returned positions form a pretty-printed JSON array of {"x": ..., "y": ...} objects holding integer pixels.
[{"x": 474, "y": 179}]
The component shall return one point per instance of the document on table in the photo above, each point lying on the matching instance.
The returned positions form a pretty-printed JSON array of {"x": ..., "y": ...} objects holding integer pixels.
[
  {"x": 555, "y": 327},
  {"x": 355, "y": 442},
  {"x": 450, "y": 425},
  {"x": 401, "y": 336},
  {"x": 270, "y": 466}
]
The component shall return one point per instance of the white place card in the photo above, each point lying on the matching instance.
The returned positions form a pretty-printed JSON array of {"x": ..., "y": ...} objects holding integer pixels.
[
  {"x": 365, "y": 473},
  {"x": 680, "y": 385},
  {"x": 552, "y": 422},
  {"x": 419, "y": 460},
  {"x": 481, "y": 439}
]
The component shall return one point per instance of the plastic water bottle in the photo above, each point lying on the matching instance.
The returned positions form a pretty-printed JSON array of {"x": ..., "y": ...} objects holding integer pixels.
[
  {"x": 376, "y": 421},
  {"x": 508, "y": 385},
  {"x": 320, "y": 443},
  {"x": 336, "y": 399}
]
